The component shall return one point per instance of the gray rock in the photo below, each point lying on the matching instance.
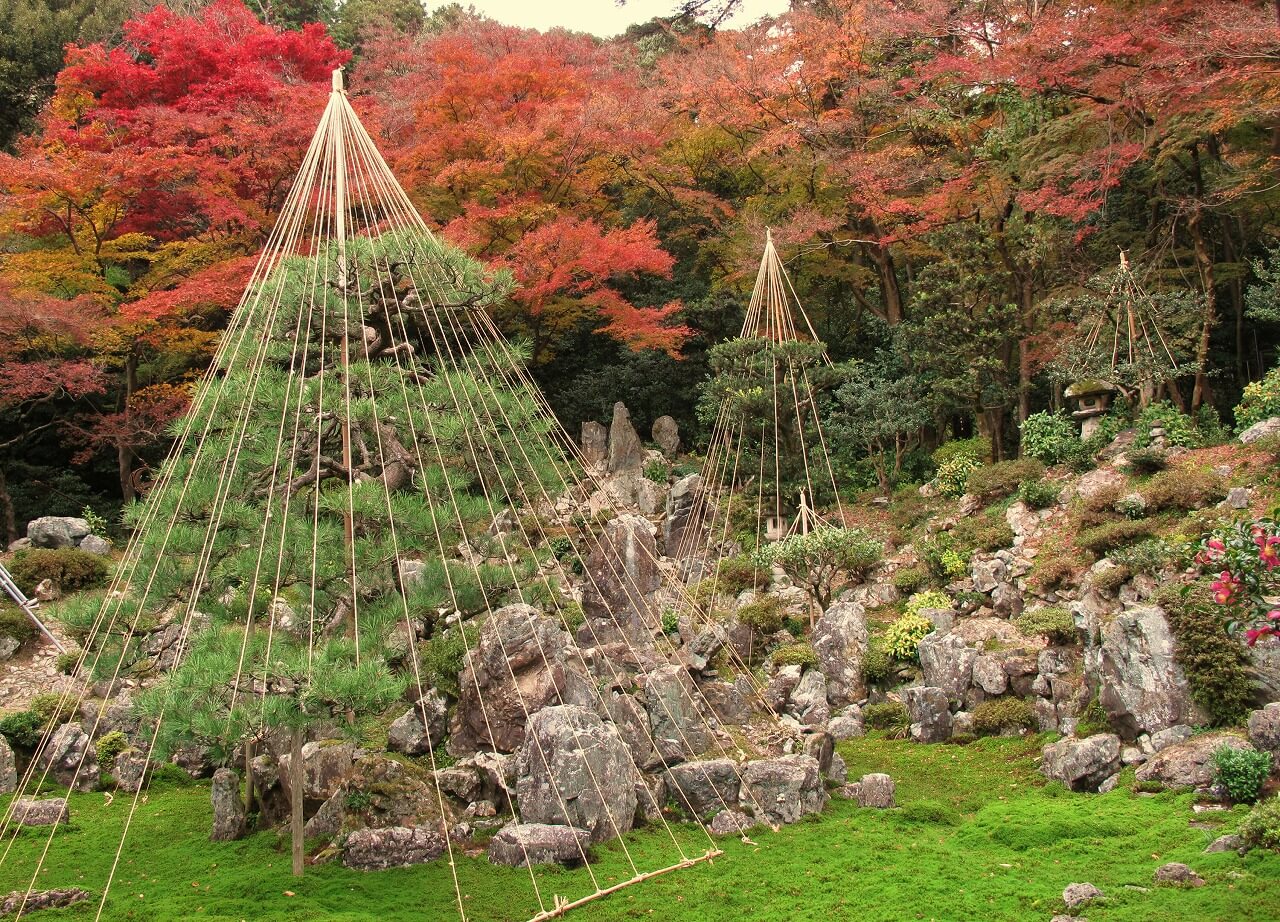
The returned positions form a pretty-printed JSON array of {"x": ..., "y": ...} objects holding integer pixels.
[
  {"x": 930, "y": 713},
  {"x": 1142, "y": 688},
  {"x": 1096, "y": 481},
  {"x": 626, "y": 453},
  {"x": 1178, "y": 874},
  {"x": 325, "y": 765},
  {"x": 45, "y": 811},
  {"x": 1261, "y": 430},
  {"x": 876, "y": 791},
  {"x": 421, "y": 728},
  {"x": 1084, "y": 764},
  {"x": 838, "y": 773},
  {"x": 1264, "y": 732},
  {"x": 1239, "y": 498},
  {"x": 679, "y": 730},
  {"x": 521, "y": 845},
  {"x": 808, "y": 702},
  {"x": 666, "y": 433},
  {"x": 574, "y": 770},
  {"x": 95, "y": 545},
  {"x": 681, "y": 502},
  {"x": 391, "y": 847},
  {"x": 702, "y": 788},
  {"x": 988, "y": 674},
  {"x": 228, "y": 807},
  {"x": 1227, "y": 843},
  {"x": 781, "y": 684},
  {"x": 56, "y": 531},
  {"x": 35, "y": 900},
  {"x": 8, "y": 768},
  {"x": 727, "y": 702},
  {"x": 783, "y": 789},
  {"x": 595, "y": 443},
  {"x": 987, "y": 574},
  {"x": 71, "y": 759},
  {"x": 618, "y": 597},
  {"x": 462, "y": 781},
  {"x": 822, "y": 746},
  {"x": 730, "y": 822},
  {"x": 1189, "y": 764},
  {"x": 1110, "y": 784},
  {"x": 523, "y": 661},
  {"x": 1170, "y": 736},
  {"x": 848, "y": 724},
  {"x": 1007, "y": 600},
  {"x": 947, "y": 663},
  {"x": 8, "y": 647},
  {"x": 962, "y": 724},
  {"x": 631, "y": 719},
  {"x": 1077, "y": 895},
  {"x": 840, "y": 641}
]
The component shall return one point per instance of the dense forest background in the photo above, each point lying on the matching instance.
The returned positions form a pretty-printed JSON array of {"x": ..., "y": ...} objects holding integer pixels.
[{"x": 951, "y": 185}]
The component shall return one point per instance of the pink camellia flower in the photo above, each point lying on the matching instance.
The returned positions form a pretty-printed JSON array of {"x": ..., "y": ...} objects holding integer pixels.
[
  {"x": 1269, "y": 551},
  {"x": 1225, "y": 588}
]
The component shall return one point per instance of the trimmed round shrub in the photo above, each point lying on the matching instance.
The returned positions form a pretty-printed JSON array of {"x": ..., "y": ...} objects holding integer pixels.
[
  {"x": 1056, "y": 624},
  {"x": 1039, "y": 494},
  {"x": 1184, "y": 488},
  {"x": 1049, "y": 437},
  {"x": 877, "y": 664},
  {"x": 953, "y": 476},
  {"x": 1241, "y": 772},
  {"x": 14, "y": 623},
  {"x": 69, "y": 568},
  {"x": 22, "y": 729},
  {"x": 764, "y": 615},
  {"x": 1145, "y": 461},
  {"x": 910, "y": 579},
  {"x": 930, "y": 598},
  {"x": 1261, "y": 828},
  {"x": 1000, "y": 715},
  {"x": 998, "y": 480},
  {"x": 989, "y": 532},
  {"x": 108, "y": 746},
  {"x": 976, "y": 449}
]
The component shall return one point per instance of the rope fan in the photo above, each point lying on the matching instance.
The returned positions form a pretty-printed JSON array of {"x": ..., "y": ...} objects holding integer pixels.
[
  {"x": 767, "y": 446},
  {"x": 368, "y": 473}
]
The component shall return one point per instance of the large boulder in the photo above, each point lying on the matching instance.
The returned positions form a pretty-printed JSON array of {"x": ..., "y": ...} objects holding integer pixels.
[
  {"x": 325, "y": 765},
  {"x": 1261, "y": 430},
  {"x": 1264, "y": 733},
  {"x": 702, "y": 788},
  {"x": 523, "y": 662},
  {"x": 421, "y": 728},
  {"x": 574, "y": 770},
  {"x": 782, "y": 790},
  {"x": 229, "y": 819},
  {"x": 1082, "y": 764},
  {"x": 71, "y": 759},
  {"x": 677, "y": 542},
  {"x": 808, "y": 701},
  {"x": 392, "y": 847},
  {"x": 631, "y": 718},
  {"x": 626, "y": 452},
  {"x": 381, "y": 792},
  {"x": 679, "y": 729},
  {"x": 45, "y": 811},
  {"x": 55, "y": 531},
  {"x": 666, "y": 434},
  {"x": 621, "y": 579},
  {"x": 8, "y": 768},
  {"x": 1189, "y": 764},
  {"x": 840, "y": 641},
  {"x": 520, "y": 845},
  {"x": 930, "y": 711},
  {"x": 947, "y": 663},
  {"x": 1142, "y": 687}
]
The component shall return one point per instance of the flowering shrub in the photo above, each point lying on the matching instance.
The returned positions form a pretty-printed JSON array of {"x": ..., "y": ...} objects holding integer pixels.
[
  {"x": 1261, "y": 401},
  {"x": 902, "y": 638},
  {"x": 1246, "y": 557}
]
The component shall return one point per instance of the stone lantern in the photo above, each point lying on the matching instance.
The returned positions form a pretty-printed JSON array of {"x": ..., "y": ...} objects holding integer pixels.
[{"x": 1091, "y": 399}]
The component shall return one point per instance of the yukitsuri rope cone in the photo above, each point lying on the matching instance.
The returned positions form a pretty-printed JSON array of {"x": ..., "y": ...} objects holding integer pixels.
[
  {"x": 767, "y": 447},
  {"x": 367, "y": 468}
]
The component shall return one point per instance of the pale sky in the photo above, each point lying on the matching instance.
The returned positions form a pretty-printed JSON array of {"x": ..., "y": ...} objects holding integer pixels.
[{"x": 602, "y": 17}]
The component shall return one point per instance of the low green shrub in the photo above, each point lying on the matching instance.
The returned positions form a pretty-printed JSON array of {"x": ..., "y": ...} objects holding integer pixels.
[
  {"x": 931, "y": 812},
  {"x": 1241, "y": 772},
  {"x": 1102, "y": 539},
  {"x": 1055, "y": 624},
  {"x": 1179, "y": 429},
  {"x": 999, "y": 715},
  {"x": 572, "y": 616},
  {"x": 1261, "y": 828},
  {"x": 108, "y": 746},
  {"x": 910, "y": 579},
  {"x": 989, "y": 532},
  {"x": 998, "y": 480},
  {"x": 1049, "y": 437},
  {"x": 764, "y": 615},
  {"x": 796, "y": 654},
  {"x": 1053, "y": 566},
  {"x": 54, "y": 707},
  {"x": 657, "y": 471},
  {"x": 953, "y": 476},
  {"x": 22, "y": 729},
  {"x": 943, "y": 558},
  {"x": 1261, "y": 400},
  {"x": 1183, "y": 488},
  {"x": 902, "y": 638},
  {"x": 1145, "y": 461},
  {"x": 1132, "y": 506},
  {"x": 887, "y": 715},
  {"x": 1153, "y": 555},
  {"x": 930, "y": 598},
  {"x": 68, "y": 568},
  {"x": 1112, "y": 578},
  {"x": 14, "y": 623},
  {"x": 1039, "y": 494},
  {"x": 877, "y": 663},
  {"x": 1093, "y": 719},
  {"x": 670, "y": 621},
  {"x": 976, "y": 449},
  {"x": 1212, "y": 660},
  {"x": 443, "y": 656},
  {"x": 816, "y": 559},
  {"x": 734, "y": 575}
]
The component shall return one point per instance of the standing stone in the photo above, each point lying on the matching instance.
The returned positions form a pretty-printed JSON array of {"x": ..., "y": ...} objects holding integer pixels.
[
  {"x": 947, "y": 663},
  {"x": 876, "y": 791},
  {"x": 228, "y": 807},
  {"x": 680, "y": 505},
  {"x": 1264, "y": 733},
  {"x": 595, "y": 443},
  {"x": 808, "y": 702},
  {"x": 626, "y": 452},
  {"x": 930, "y": 714},
  {"x": 1142, "y": 686},
  {"x": 840, "y": 641},
  {"x": 623, "y": 576},
  {"x": 71, "y": 759},
  {"x": 421, "y": 728},
  {"x": 679, "y": 731},
  {"x": 55, "y": 531},
  {"x": 8, "y": 768},
  {"x": 523, "y": 660},
  {"x": 574, "y": 770},
  {"x": 666, "y": 433},
  {"x": 520, "y": 845}
]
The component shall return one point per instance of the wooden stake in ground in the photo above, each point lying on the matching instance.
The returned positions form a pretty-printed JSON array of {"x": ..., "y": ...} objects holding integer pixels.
[{"x": 299, "y": 775}]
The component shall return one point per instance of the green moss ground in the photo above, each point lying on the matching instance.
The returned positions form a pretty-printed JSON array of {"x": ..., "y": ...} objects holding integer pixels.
[{"x": 979, "y": 836}]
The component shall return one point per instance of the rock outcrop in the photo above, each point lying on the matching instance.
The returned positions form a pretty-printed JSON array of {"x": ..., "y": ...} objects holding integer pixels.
[
  {"x": 840, "y": 642},
  {"x": 1142, "y": 687}
]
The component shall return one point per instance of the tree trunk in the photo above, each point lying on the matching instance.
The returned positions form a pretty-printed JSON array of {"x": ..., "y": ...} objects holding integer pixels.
[
  {"x": 1204, "y": 263},
  {"x": 8, "y": 519},
  {"x": 892, "y": 293},
  {"x": 124, "y": 451},
  {"x": 295, "y": 791}
]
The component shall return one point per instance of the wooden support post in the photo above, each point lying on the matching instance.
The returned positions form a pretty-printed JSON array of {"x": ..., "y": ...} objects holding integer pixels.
[{"x": 295, "y": 791}]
